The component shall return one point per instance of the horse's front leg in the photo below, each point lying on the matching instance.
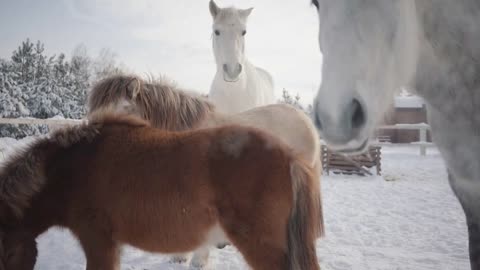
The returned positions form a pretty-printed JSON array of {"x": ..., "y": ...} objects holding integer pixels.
[
  {"x": 474, "y": 242},
  {"x": 468, "y": 194},
  {"x": 19, "y": 251}
]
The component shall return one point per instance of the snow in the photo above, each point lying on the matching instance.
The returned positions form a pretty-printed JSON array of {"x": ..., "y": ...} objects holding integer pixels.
[{"x": 406, "y": 219}]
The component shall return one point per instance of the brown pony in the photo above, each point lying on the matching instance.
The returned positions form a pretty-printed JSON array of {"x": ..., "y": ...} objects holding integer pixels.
[
  {"x": 118, "y": 181},
  {"x": 169, "y": 107}
]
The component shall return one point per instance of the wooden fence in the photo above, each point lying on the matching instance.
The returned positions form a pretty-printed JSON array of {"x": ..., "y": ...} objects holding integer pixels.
[
  {"x": 357, "y": 164},
  {"x": 422, "y": 129},
  {"x": 52, "y": 123}
]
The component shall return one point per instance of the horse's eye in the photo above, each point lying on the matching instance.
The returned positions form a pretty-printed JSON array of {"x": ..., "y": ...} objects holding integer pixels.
[
  {"x": 315, "y": 2},
  {"x": 217, "y": 32},
  {"x": 244, "y": 32}
]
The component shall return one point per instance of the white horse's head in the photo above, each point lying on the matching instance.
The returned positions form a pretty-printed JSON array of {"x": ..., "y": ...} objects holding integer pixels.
[
  {"x": 229, "y": 30},
  {"x": 369, "y": 51}
]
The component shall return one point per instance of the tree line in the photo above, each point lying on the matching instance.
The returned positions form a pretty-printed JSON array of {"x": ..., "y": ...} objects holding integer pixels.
[{"x": 34, "y": 84}]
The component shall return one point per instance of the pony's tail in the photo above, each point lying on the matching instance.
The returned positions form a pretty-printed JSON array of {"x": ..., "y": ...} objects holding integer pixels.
[
  {"x": 23, "y": 175},
  {"x": 305, "y": 224}
]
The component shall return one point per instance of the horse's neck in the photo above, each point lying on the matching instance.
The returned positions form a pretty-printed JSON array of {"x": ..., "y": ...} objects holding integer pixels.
[{"x": 448, "y": 67}]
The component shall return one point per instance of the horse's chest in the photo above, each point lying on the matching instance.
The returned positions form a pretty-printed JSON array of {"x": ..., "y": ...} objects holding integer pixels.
[
  {"x": 459, "y": 142},
  {"x": 235, "y": 97}
]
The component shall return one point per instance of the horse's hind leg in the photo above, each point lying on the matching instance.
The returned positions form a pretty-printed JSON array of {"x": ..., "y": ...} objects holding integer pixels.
[
  {"x": 101, "y": 252},
  {"x": 260, "y": 238},
  {"x": 261, "y": 251},
  {"x": 471, "y": 206}
]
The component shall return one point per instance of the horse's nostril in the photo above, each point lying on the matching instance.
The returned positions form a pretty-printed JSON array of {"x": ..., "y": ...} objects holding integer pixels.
[
  {"x": 240, "y": 68},
  {"x": 358, "y": 114},
  {"x": 225, "y": 67}
]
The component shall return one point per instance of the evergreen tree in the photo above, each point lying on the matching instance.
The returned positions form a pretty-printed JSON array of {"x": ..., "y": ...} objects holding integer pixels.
[
  {"x": 106, "y": 65},
  {"x": 33, "y": 84},
  {"x": 24, "y": 62}
]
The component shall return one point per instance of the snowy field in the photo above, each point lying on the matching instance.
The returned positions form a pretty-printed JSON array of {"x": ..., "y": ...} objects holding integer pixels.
[{"x": 406, "y": 219}]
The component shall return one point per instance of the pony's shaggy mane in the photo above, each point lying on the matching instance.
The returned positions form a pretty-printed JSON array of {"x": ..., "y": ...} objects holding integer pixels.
[
  {"x": 22, "y": 175},
  {"x": 159, "y": 101}
]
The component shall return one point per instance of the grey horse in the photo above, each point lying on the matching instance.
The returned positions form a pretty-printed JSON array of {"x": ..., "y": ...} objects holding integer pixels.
[{"x": 372, "y": 48}]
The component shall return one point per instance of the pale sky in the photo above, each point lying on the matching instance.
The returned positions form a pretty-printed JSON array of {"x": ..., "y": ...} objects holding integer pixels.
[{"x": 172, "y": 37}]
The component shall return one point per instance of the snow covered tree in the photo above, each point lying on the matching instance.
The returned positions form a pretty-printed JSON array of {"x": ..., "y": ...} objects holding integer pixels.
[
  {"x": 288, "y": 99},
  {"x": 33, "y": 84},
  {"x": 24, "y": 62},
  {"x": 106, "y": 65}
]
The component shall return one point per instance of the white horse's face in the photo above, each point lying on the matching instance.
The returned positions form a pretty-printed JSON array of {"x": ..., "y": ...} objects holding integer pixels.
[
  {"x": 364, "y": 62},
  {"x": 229, "y": 30}
]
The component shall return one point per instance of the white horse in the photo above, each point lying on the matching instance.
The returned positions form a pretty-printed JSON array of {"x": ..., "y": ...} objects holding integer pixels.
[
  {"x": 372, "y": 48},
  {"x": 238, "y": 84}
]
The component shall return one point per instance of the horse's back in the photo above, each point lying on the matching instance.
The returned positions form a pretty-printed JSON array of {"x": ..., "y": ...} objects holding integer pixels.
[{"x": 287, "y": 123}]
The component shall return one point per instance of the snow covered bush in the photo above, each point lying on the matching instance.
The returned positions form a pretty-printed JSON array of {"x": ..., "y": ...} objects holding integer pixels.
[{"x": 287, "y": 98}]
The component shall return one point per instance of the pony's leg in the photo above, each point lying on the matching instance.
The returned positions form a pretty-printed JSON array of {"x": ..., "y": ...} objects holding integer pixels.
[
  {"x": 474, "y": 242},
  {"x": 101, "y": 252},
  {"x": 263, "y": 246},
  {"x": 264, "y": 255},
  {"x": 19, "y": 251},
  {"x": 200, "y": 257},
  {"x": 471, "y": 207}
]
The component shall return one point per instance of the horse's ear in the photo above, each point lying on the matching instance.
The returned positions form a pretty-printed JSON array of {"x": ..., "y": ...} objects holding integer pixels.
[
  {"x": 246, "y": 12},
  {"x": 134, "y": 87},
  {"x": 214, "y": 9}
]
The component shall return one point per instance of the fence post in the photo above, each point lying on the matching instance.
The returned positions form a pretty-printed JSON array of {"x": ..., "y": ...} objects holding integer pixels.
[{"x": 423, "y": 141}]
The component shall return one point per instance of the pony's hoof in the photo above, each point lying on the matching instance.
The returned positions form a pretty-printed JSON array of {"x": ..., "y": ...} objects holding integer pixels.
[{"x": 178, "y": 259}]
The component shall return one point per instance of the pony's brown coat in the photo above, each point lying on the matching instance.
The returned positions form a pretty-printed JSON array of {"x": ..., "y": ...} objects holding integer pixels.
[
  {"x": 119, "y": 181},
  {"x": 23, "y": 175}
]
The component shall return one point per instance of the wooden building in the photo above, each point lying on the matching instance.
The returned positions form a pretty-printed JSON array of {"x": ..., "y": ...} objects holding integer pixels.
[{"x": 407, "y": 109}]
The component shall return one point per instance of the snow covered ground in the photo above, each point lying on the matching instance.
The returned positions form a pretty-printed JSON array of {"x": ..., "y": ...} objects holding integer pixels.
[{"x": 406, "y": 219}]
